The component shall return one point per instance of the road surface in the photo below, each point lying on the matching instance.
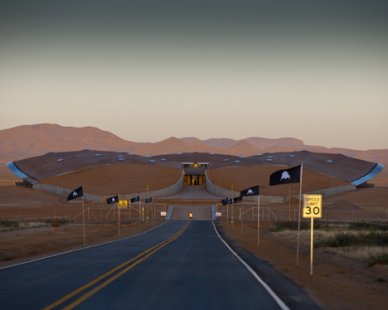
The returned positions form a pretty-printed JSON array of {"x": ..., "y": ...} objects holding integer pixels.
[
  {"x": 199, "y": 212},
  {"x": 179, "y": 265}
]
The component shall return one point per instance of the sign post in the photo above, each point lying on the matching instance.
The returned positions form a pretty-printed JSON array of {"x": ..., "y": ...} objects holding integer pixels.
[
  {"x": 312, "y": 208},
  {"x": 122, "y": 204}
]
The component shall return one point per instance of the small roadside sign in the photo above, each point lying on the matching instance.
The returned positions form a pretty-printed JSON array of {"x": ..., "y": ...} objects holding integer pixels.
[
  {"x": 123, "y": 204},
  {"x": 312, "y": 206},
  {"x": 312, "y": 209}
]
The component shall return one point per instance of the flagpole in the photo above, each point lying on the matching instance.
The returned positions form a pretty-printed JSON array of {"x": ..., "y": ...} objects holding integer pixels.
[
  {"x": 289, "y": 203},
  {"x": 299, "y": 211},
  {"x": 118, "y": 217},
  {"x": 258, "y": 220},
  {"x": 232, "y": 206},
  {"x": 83, "y": 220}
]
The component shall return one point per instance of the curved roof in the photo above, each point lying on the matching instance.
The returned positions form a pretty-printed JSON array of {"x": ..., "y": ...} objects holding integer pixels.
[{"x": 347, "y": 169}]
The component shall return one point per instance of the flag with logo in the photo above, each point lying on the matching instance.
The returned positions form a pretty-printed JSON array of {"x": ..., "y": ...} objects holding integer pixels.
[
  {"x": 77, "y": 193},
  {"x": 135, "y": 199},
  {"x": 291, "y": 175},
  {"x": 112, "y": 200},
  {"x": 251, "y": 191},
  {"x": 148, "y": 200}
]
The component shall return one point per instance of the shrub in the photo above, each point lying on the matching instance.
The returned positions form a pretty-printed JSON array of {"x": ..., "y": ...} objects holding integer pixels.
[
  {"x": 339, "y": 240},
  {"x": 369, "y": 226},
  {"x": 292, "y": 225},
  {"x": 349, "y": 239},
  {"x": 378, "y": 259}
]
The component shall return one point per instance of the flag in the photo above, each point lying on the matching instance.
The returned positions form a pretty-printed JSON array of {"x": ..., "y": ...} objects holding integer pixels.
[
  {"x": 148, "y": 200},
  {"x": 135, "y": 199},
  {"x": 226, "y": 201},
  {"x": 77, "y": 193},
  {"x": 291, "y": 175},
  {"x": 112, "y": 200},
  {"x": 251, "y": 191},
  {"x": 237, "y": 199}
]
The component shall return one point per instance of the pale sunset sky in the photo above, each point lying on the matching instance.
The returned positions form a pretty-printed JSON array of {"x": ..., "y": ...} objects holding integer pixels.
[{"x": 147, "y": 70}]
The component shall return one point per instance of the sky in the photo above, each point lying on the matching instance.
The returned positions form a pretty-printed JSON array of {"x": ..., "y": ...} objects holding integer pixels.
[{"x": 148, "y": 70}]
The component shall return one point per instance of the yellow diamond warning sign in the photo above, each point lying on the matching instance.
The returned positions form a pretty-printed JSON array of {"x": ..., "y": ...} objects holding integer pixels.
[{"x": 123, "y": 204}]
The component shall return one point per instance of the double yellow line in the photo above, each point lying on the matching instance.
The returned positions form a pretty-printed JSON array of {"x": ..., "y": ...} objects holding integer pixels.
[{"x": 102, "y": 281}]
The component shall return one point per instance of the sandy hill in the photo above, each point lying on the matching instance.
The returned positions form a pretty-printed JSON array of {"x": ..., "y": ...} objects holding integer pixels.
[
  {"x": 242, "y": 148},
  {"x": 31, "y": 140}
]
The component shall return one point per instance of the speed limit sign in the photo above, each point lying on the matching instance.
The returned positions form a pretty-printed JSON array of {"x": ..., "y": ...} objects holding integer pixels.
[{"x": 312, "y": 207}]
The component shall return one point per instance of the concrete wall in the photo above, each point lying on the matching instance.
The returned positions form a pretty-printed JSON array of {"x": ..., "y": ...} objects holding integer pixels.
[
  {"x": 164, "y": 192},
  {"x": 169, "y": 213},
  {"x": 219, "y": 191},
  {"x": 63, "y": 192},
  {"x": 327, "y": 192}
]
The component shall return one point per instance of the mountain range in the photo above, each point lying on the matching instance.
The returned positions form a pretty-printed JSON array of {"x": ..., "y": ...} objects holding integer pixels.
[{"x": 32, "y": 140}]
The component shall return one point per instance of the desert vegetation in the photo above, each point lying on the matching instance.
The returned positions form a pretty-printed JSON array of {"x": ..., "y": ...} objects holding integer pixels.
[{"x": 363, "y": 241}]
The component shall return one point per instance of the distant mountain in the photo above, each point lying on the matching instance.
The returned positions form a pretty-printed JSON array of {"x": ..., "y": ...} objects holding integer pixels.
[
  {"x": 242, "y": 148},
  {"x": 32, "y": 140},
  {"x": 221, "y": 143},
  {"x": 283, "y": 144}
]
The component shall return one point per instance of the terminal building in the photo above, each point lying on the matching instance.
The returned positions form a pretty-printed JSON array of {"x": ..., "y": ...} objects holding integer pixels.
[{"x": 195, "y": 173}]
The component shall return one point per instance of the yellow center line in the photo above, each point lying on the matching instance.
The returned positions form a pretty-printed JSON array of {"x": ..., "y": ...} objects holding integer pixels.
[
  {"x": 137, "y": 259},
  {"x": 116, "y": 276}
]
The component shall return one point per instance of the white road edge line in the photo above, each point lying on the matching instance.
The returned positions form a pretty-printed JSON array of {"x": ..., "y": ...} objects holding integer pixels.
[
  {"x": 80, "y": 249},
  {"x": 281, "y": 304}
]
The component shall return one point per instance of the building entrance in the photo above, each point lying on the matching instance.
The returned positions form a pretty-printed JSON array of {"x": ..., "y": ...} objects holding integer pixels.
[
  {"x": 192, "y": 179},
  {"x": 195, "y": 173}
]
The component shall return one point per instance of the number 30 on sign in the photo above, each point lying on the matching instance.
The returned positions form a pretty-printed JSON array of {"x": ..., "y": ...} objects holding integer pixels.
[{"x": 312, "y": 206}]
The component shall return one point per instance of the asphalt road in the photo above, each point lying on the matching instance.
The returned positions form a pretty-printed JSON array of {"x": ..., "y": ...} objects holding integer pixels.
[
  {"x": 200, "y": 212},
  {"x": 193, "y": 269}
]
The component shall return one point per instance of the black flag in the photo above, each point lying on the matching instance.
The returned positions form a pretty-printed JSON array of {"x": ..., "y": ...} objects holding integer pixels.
[
  {"x": 237, "y": 199},
  {"x": 251, "y": 191},
  {"x": 77, "y": 193},
  {"x": 135, "y": 199},
  {"x": 291, "y": 175},
  {"x": 226, "y": 201},
  {"x": 112, "y": 200},
  {"x": 148, "y": 200}
]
